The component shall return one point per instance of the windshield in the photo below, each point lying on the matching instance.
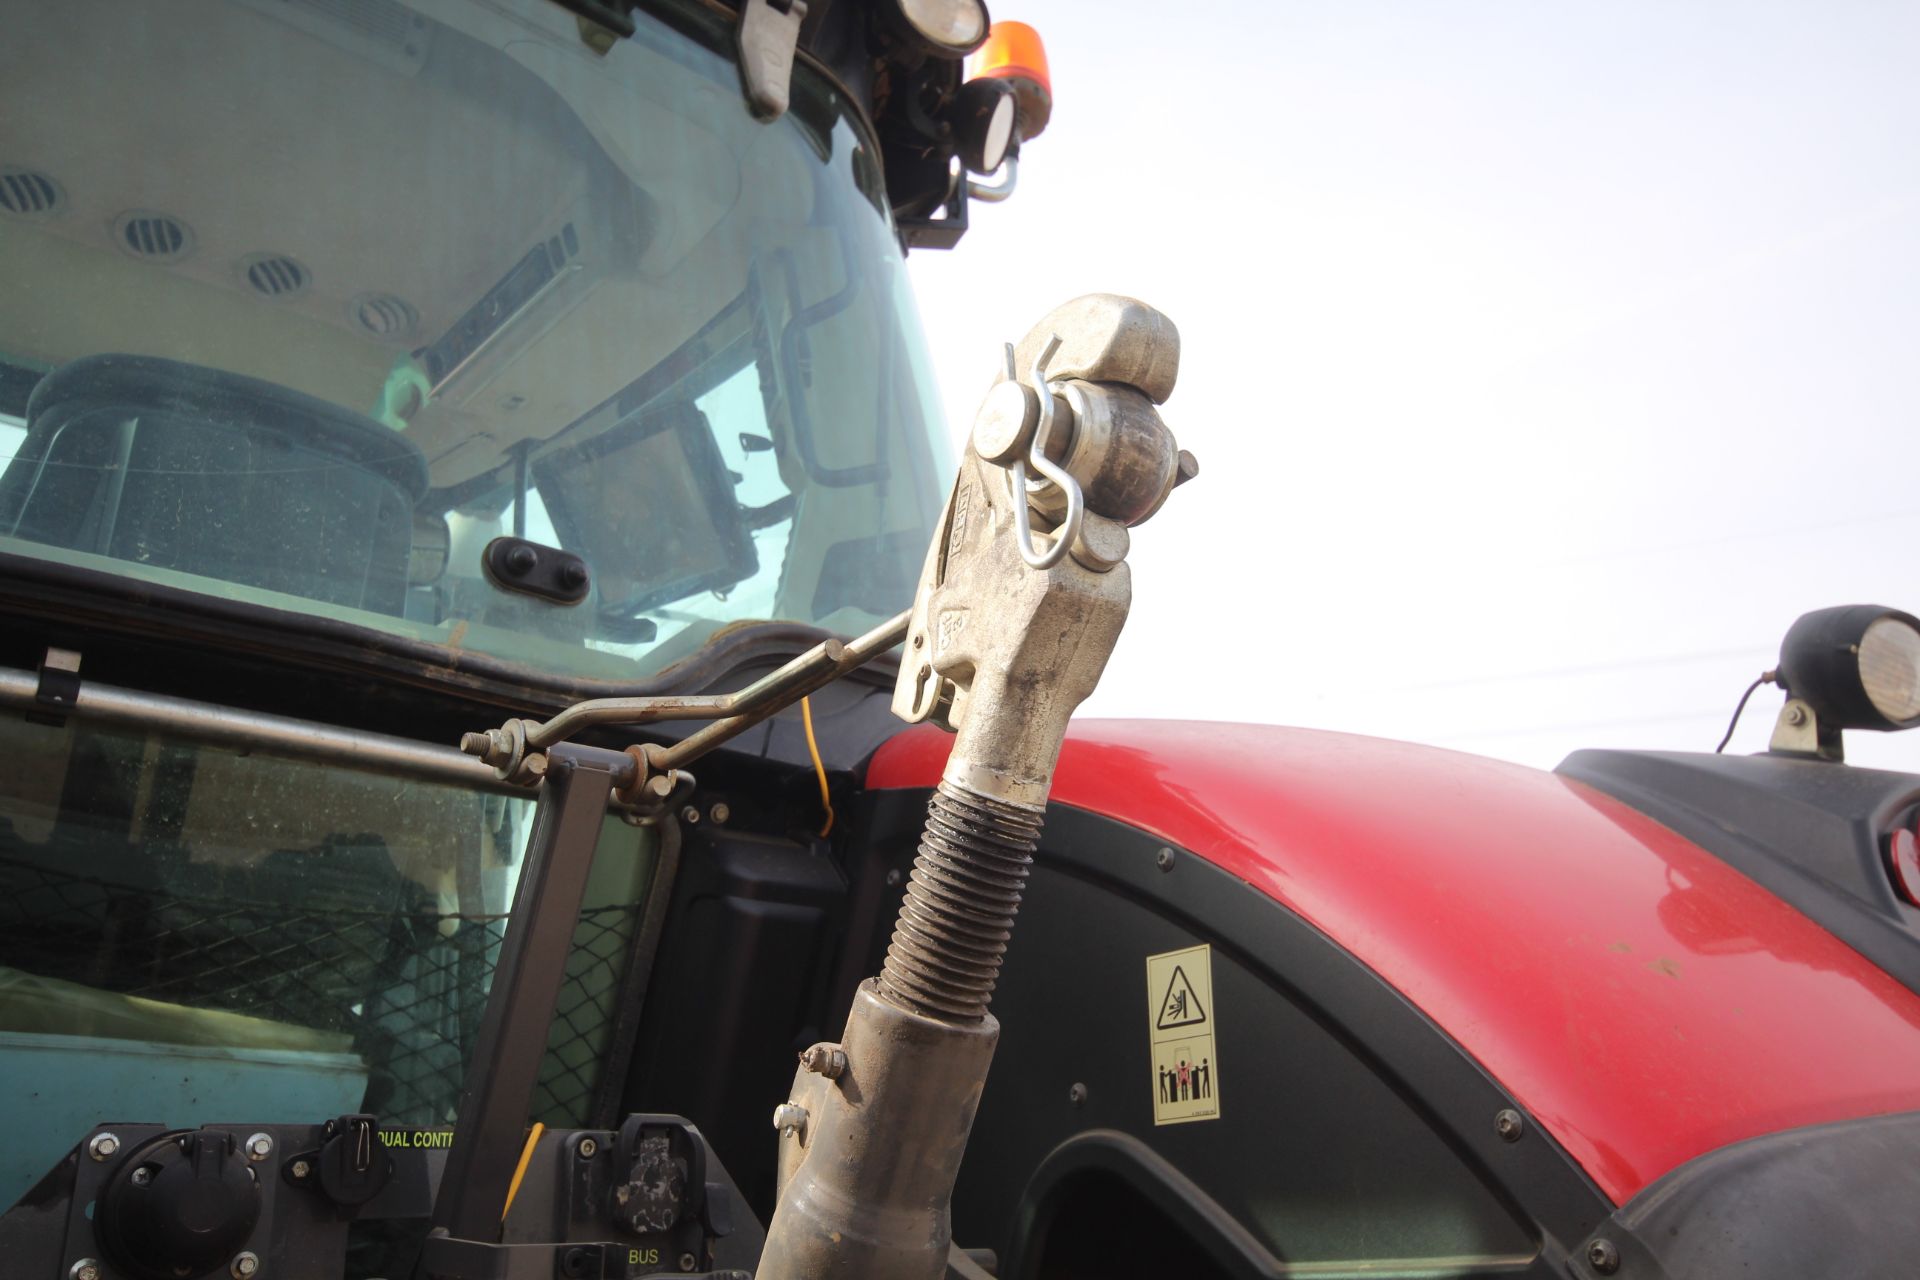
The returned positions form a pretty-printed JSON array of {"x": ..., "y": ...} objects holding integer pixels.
[{"x": 304, "y": 304}]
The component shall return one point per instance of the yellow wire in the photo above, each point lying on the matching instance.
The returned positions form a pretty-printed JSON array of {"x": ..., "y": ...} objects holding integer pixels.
[
  {"x": 819, "y": 769},
  {"x": 520, "y": 1170}
]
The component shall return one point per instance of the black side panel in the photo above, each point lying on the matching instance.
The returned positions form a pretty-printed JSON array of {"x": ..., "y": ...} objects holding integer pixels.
[
  {"x": 736, "y": 992},
  {"x": 1810, "y": 831},
  {"x": 1833, "y": 1200},
  {"x": 1354, "y": 1136}
]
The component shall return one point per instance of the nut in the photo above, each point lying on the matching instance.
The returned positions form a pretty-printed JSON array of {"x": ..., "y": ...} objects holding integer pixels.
[
  {"x": 827, "y": 1060},
  {"x": 1796, "y": 714},
  {"x": 1509, "y": 1124},
  {"x": 104, "y": 1146},
  {"x": 259, "y": 1147},
  {"x": 1603, "y": 1257}
]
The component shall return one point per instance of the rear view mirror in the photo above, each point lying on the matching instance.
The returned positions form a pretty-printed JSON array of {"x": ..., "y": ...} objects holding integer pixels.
[{"x": 650, "y": 505}]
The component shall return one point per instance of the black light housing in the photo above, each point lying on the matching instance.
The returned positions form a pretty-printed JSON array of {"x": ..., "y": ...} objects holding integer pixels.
[
  {"x": 982, "y": 117},
  {"x": 1856, "y": 667}
]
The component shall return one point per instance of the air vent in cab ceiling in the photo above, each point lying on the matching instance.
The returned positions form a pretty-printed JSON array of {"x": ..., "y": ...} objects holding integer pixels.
[
  {"x": 154, "y": 237},
  {"x": 25, "y": 193},
  {"x": 383, "y": 315},
  {"x": 275, "y": 275}
]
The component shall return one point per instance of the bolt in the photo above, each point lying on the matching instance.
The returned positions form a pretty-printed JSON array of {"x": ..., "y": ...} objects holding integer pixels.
[
  {"x": 259, "y": 1147},
  {"x": 1077, "y": 1095},
  {"x": 587, "y": 1148},
  {"x": 521, "y": 560},
  {"x": 104, "y": 1146},
  {"x": 825, "y": 1060},
  {"x": 720, "y": 813},
  {"x": 1796, "y": 715},
  {"x": 85, "y": 1269},
  {"x": 894, "y": 876},
  {"x": 142, "y": 1176},
  {"x": 1164, "y": 859},
  {"x": 1603, "y": 1257},
  {"x": 476, "y": 744},
  {"x": 690, "y": 815},
  {"x": 1509, "y": 1125},
  {"x": 244, "y": 1265},
  {"x": 301, "y": 1170},
  {"x": 573, "y": 574},
  {"x": 688, "y": 1262},
  {"x": 790, "y": 1118}
]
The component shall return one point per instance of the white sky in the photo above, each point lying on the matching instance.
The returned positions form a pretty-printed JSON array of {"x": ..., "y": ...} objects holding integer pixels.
[{"x": 1544, "y": 361}]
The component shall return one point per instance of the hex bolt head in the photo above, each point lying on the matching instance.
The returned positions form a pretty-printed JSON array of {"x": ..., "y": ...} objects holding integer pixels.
[
  {"x": 1796, "y": 714},
  {"x": 259, "y": 1147},
  {"x": 1077, "y": 1095},
  {"x": 301, "y": 1170},
  {"x": 587, "y": 1148},
  {"x": 85, "y": 1269},
  {"x": 1164, "y": 858},
  {"x": 244, "y": 1266},
  {"x": 104, "y": 1146},
  {"x": 827, "y": 1060},
  {"x": 1509, "y": 1124},
  {"x": 1603, "y": 1257}
]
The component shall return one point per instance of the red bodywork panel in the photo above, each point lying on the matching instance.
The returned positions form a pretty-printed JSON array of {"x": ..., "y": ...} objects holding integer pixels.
[{"x": 1645, "y": 1001}]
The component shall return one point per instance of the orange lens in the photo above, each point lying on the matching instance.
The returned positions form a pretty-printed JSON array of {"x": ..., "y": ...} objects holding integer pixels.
[{"x": 1015, "y": 53}]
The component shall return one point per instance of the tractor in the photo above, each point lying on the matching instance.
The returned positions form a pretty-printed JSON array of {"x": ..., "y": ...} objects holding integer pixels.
[{"x": 527, "y": 758}]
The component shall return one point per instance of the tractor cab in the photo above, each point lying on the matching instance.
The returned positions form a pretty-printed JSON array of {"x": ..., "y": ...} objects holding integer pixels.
[{"x": 369, "y": 371}]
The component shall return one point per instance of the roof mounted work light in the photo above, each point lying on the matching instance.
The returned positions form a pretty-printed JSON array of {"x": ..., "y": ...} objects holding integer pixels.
[{"x": 1852, "y": 667}]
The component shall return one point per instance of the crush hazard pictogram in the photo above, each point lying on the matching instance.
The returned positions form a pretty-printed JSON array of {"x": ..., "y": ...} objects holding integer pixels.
[
  {"x": 1181, "y": 1026},
  {"x": 1180, "y": 1006}
]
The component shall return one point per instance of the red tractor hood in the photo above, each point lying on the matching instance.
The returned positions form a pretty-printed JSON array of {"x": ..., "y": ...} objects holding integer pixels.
[{"x": 1645, "y": 1001}]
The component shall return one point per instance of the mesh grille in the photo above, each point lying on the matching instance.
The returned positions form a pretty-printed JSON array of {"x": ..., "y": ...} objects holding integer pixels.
[{"x": 408, "y": 985}]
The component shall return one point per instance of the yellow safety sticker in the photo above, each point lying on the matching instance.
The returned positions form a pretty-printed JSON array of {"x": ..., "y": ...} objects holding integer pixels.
[{"x": 1180, "y": 1029}]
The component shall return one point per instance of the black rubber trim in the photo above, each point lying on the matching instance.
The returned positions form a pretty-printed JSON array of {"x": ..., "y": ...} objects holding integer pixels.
[
  {"x": 1535, "y": 1176},
  {"x": 1808, "y": 831},
  {"x": 1829, "y": 1200},
  {"x": 97, "y": 600},
  {"x": 1133, "y": 1162}
]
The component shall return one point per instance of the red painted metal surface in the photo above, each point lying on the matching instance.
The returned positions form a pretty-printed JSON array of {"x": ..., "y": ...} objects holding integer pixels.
[{"x": 1646, "y": 1002}]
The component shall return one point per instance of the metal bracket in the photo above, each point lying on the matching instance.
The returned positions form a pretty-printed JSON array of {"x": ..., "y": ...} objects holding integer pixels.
[
  {"x": 769, "y": 37},
  {"x": 1798, "y": 732},
  {"x": 58, "y": 690}
]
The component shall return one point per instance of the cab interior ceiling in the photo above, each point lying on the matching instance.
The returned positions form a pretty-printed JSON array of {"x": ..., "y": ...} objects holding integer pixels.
[{"x": 419, "y": 152}]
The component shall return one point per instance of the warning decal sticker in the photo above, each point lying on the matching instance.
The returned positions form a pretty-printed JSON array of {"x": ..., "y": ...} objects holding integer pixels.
[{"x": 1180, "y": 1022}]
